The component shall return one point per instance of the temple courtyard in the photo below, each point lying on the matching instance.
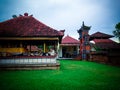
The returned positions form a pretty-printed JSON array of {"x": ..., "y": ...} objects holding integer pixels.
[{"x": 72, "y": 75}]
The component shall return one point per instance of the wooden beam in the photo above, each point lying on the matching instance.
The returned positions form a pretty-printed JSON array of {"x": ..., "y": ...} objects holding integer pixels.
[{"x": 29, "y": 38}]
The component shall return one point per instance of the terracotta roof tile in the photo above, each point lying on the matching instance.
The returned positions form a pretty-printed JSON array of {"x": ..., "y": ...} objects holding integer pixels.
[
  {"x": 27, "y": 26},
  {"x": 103, "y": 41},
  {"x": 106, "y": 44},
  {"x": 69, "y": 40},
  {"x": 99, "y": 35}
]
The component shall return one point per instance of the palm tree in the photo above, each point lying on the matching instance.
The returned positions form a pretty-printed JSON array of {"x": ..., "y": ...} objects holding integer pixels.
[{"x": 116, "y": 32}]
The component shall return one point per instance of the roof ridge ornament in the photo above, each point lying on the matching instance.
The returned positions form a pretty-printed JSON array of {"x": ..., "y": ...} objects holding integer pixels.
[
  {"x": 25, "y": 14},
  {"x": 14, "y": 16},
  {"x": 83, "y": 24}
]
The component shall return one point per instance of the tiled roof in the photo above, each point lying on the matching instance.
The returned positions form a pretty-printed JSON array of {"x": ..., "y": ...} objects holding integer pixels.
[
  {"x": 106, "y": 44},
  {"x": 27, "y": 26},
  {"x": 69, "y": 40},
  {"x": 99, "y": 35},
  {"x": 103, "y": 41}
]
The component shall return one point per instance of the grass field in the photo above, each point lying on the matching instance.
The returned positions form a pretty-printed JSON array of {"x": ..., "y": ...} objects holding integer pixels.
[{"x": 73, "y": 75}]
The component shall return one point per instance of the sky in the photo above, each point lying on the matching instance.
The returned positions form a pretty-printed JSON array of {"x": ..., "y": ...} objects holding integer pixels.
[{"x": 101, "y": 15}]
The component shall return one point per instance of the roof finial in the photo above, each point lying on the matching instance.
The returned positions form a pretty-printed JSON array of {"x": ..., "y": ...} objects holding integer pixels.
[
  {"x": 83, "y": 23},
  {"x": 25, "y": 14},
  {"x": 14, "y": 16}
]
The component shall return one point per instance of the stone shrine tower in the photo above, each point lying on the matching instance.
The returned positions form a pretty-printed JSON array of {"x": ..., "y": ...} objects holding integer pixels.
[{"x": 84, "y": 41}]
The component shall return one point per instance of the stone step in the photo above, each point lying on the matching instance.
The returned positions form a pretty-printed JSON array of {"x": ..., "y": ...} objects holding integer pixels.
[{"x": 29, "y": 66}]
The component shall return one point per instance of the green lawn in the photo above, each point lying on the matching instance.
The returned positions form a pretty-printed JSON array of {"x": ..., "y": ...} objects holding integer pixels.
[{"x": 73, "y": 75}]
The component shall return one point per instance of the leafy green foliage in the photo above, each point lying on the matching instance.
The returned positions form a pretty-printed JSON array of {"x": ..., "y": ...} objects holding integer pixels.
[
  {"x": 116, "y": 32},
  {"x": 73, "y": 75}
]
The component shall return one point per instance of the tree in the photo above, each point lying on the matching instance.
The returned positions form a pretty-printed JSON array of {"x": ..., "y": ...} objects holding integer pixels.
[{"x": 116, "y": 32}]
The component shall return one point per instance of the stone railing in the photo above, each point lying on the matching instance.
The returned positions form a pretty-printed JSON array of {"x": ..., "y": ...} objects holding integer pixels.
[{"x": 28, "y": 60}]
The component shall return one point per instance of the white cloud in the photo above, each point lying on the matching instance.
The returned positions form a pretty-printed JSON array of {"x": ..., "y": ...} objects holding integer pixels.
[
  {"x": 67, "y": 14},
  {"x": 68, "y": 11},
  {"x": 74, "y": 12},
  {"x": 60, "y": 2}
]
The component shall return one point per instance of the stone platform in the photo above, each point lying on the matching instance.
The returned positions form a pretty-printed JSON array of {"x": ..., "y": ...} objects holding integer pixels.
[{"x": 29, "y": 63}]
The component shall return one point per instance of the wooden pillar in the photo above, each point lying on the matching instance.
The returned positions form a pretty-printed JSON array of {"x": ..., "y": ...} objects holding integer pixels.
[
  {"x": 44, "y": 47},
  {"x": 58, "y": 49},
  {"x": 58, "y": 46},
  {"x": 78, "y": 48}
]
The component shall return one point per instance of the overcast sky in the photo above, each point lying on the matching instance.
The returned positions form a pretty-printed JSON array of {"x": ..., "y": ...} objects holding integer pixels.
[{"x": 102, "y": 15}]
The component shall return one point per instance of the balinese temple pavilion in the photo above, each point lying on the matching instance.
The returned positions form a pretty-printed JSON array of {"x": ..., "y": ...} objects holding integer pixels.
[
  {"x": 69, "y": 48},
  {"x": 103, "y": 49},
  {"x": 25, "y": 40}
]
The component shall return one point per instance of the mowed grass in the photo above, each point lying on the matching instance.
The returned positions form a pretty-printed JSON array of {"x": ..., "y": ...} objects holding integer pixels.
[{"x": 73, "y": 75}]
